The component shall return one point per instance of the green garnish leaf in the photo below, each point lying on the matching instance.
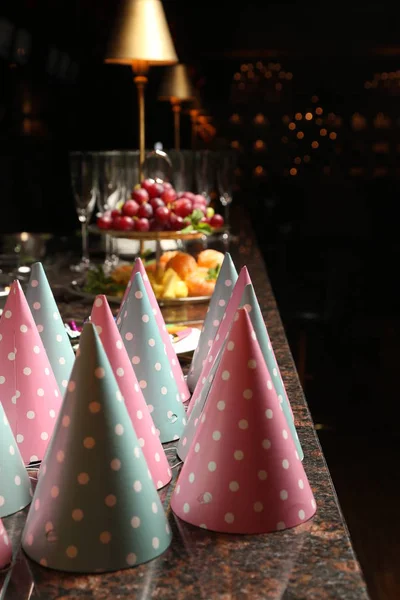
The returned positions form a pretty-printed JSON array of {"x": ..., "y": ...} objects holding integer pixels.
[
  {"x": 196, "y": 216},
  {"x": 213, "y": 273},
  {"x": 204, "y": 228},
  {"x": 187, "y": 229}
]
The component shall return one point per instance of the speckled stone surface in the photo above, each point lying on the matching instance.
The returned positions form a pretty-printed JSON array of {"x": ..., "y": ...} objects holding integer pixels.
[{"x": 314, "y": 561}]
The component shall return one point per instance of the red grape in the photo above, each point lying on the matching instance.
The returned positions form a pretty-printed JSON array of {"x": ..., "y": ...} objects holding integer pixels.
[
  {"x": 162, "y": 214},
  {"x": 189, "y": 195},
  {"x": 140, "y": 195},
  {"x": 176, "y": 222},
  {"x": 155, "y": 225},
  {"x": 200, "y": 199},
  {"x": 169, "y": 196},
  {"x": 156, "y": 190},
  {"x": 116, "y": 222},
  {"x": 147, "y": 183},
  {"x": 168, "y": 186},
  {"x": 104, "y": 222},
  {"x": 182, "y": 207},
  {"x": 145, "y": 210},
  {"x": 130, "y": 208},
  {"x": 142, "y": 224},
  {"x": 217, "y": 221},
  {"x": 156, "y": 202},
  {"x": 125, "y": 223},
  {"x": 115, "y": 213}
]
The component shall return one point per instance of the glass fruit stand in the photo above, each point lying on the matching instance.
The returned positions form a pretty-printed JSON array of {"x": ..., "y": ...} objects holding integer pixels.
[{"x": 154, "y": 211}]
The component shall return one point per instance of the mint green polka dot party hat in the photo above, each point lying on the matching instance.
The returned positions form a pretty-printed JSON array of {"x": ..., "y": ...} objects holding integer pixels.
[
  {"x": 15, "y": 487},
  {"x": 50, "y": 325},
  {"x": 250, "y": 303},
  {"x": 95, "y": 507},
  {"x": 147, "y": 352},
  {"x": 222, "y": 292}
]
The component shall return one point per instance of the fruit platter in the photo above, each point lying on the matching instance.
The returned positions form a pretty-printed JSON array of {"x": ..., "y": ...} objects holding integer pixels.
[
  {"x": 176, "y": 277},
  {"x": 156, "y": 211}
]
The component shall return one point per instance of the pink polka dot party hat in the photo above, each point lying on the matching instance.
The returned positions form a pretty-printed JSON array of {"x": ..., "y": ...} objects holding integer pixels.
[
  {"x": 148, "y": 354},
  {"x": 29, "y": 391},
  {"x": 221, "y": 333},
  {"x": 243, "y": 473},
  {"x": 226, "y": 280},
  {"x": 175, "y": 365},
  {"x": 250, "y": 303},
  {"x": 50, "y": 325},
  {"x": 194, "y": 418},
  {"x": 95, "y": 506},
  {"x": 5, "y": 547},
  {"x": 128, "y": 384},
  {"x": 15, "y": 487}
]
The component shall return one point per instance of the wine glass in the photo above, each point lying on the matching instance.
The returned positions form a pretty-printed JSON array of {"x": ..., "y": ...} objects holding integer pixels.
[
  {"x": 225, "y": 180},
  {"x": 83, "y": 167},
  {"x": 157, "y": 165},
  {"x": 182, "y": 169},
  {"x": 205, "y": 173},
  {"x": 111, "y": 185},
  {"x": 131, "y": 171}
]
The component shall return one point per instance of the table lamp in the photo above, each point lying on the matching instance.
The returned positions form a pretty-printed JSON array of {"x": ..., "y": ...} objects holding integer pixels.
[
  {"x": 177, "y": 88},
  {"x": 141, "y": 38}
]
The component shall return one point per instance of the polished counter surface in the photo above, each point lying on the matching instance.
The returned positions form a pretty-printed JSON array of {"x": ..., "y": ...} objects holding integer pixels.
[{"x": 314, "y": 561}]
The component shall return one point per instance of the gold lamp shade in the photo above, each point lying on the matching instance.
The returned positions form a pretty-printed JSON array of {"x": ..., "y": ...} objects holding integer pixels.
[
  {"x": 141, "y": 38},
  {"x": 141, "y": 34},
  {"x": 176, "y": 85},
  {"x": 177, "y": 88}
]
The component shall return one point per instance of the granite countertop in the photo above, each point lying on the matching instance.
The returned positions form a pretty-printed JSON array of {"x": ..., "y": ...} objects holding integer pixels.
[{"x": 314, "y": 561}]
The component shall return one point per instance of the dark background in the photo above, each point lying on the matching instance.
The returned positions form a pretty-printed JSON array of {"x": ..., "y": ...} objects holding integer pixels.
[{"x": 327, "y": 224}]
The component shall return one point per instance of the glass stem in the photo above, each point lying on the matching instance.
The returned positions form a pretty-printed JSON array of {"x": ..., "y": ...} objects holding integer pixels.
[
  {"x": 226, "y": 215},
  {"x": 108, "y": 249},
  {"x": 85, "y": 247}
]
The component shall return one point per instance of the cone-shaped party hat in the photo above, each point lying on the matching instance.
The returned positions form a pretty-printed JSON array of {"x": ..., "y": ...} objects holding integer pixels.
[
  {"x": 243, "y": 473},
  {"x": 29, "y": 392},
  {"x": 223, "y": 329},
  {"x": 147, "y": 352},
  {"x": 15, "y": 487},
  {"x": 226, "y": 279},
  {"x": 128, "y": 384},
  {"x": 50, "y": 325},
  {"x": 175, "y": 366},
  {"x": 194, "y": 418},
  {"x": 250, "y": 303},
  {"x": 5, "y": 547},
  {"x": 95, "y": 507}
]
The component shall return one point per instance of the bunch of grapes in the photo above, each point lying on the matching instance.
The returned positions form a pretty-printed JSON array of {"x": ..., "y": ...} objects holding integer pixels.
[{"x": 157, "y": 206}]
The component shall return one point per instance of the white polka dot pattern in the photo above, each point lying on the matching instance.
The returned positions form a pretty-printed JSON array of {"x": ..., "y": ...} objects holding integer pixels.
[
  {"x": 151, "y": 364},
  {"x": 249, "y": 300},
  {"x": 217, "y": 307},
  {"x": 240, "y": 474},
  {"x": 52, "y": 331},
  {"x": 15, "y": 489},
  {"x": 130, "y": 390},
  {"x": 29, "y": 384},
  {"x": 223, "y": 329},
  {"x": 153, "y": 310},
  {"x": 131, "y": 526}
]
